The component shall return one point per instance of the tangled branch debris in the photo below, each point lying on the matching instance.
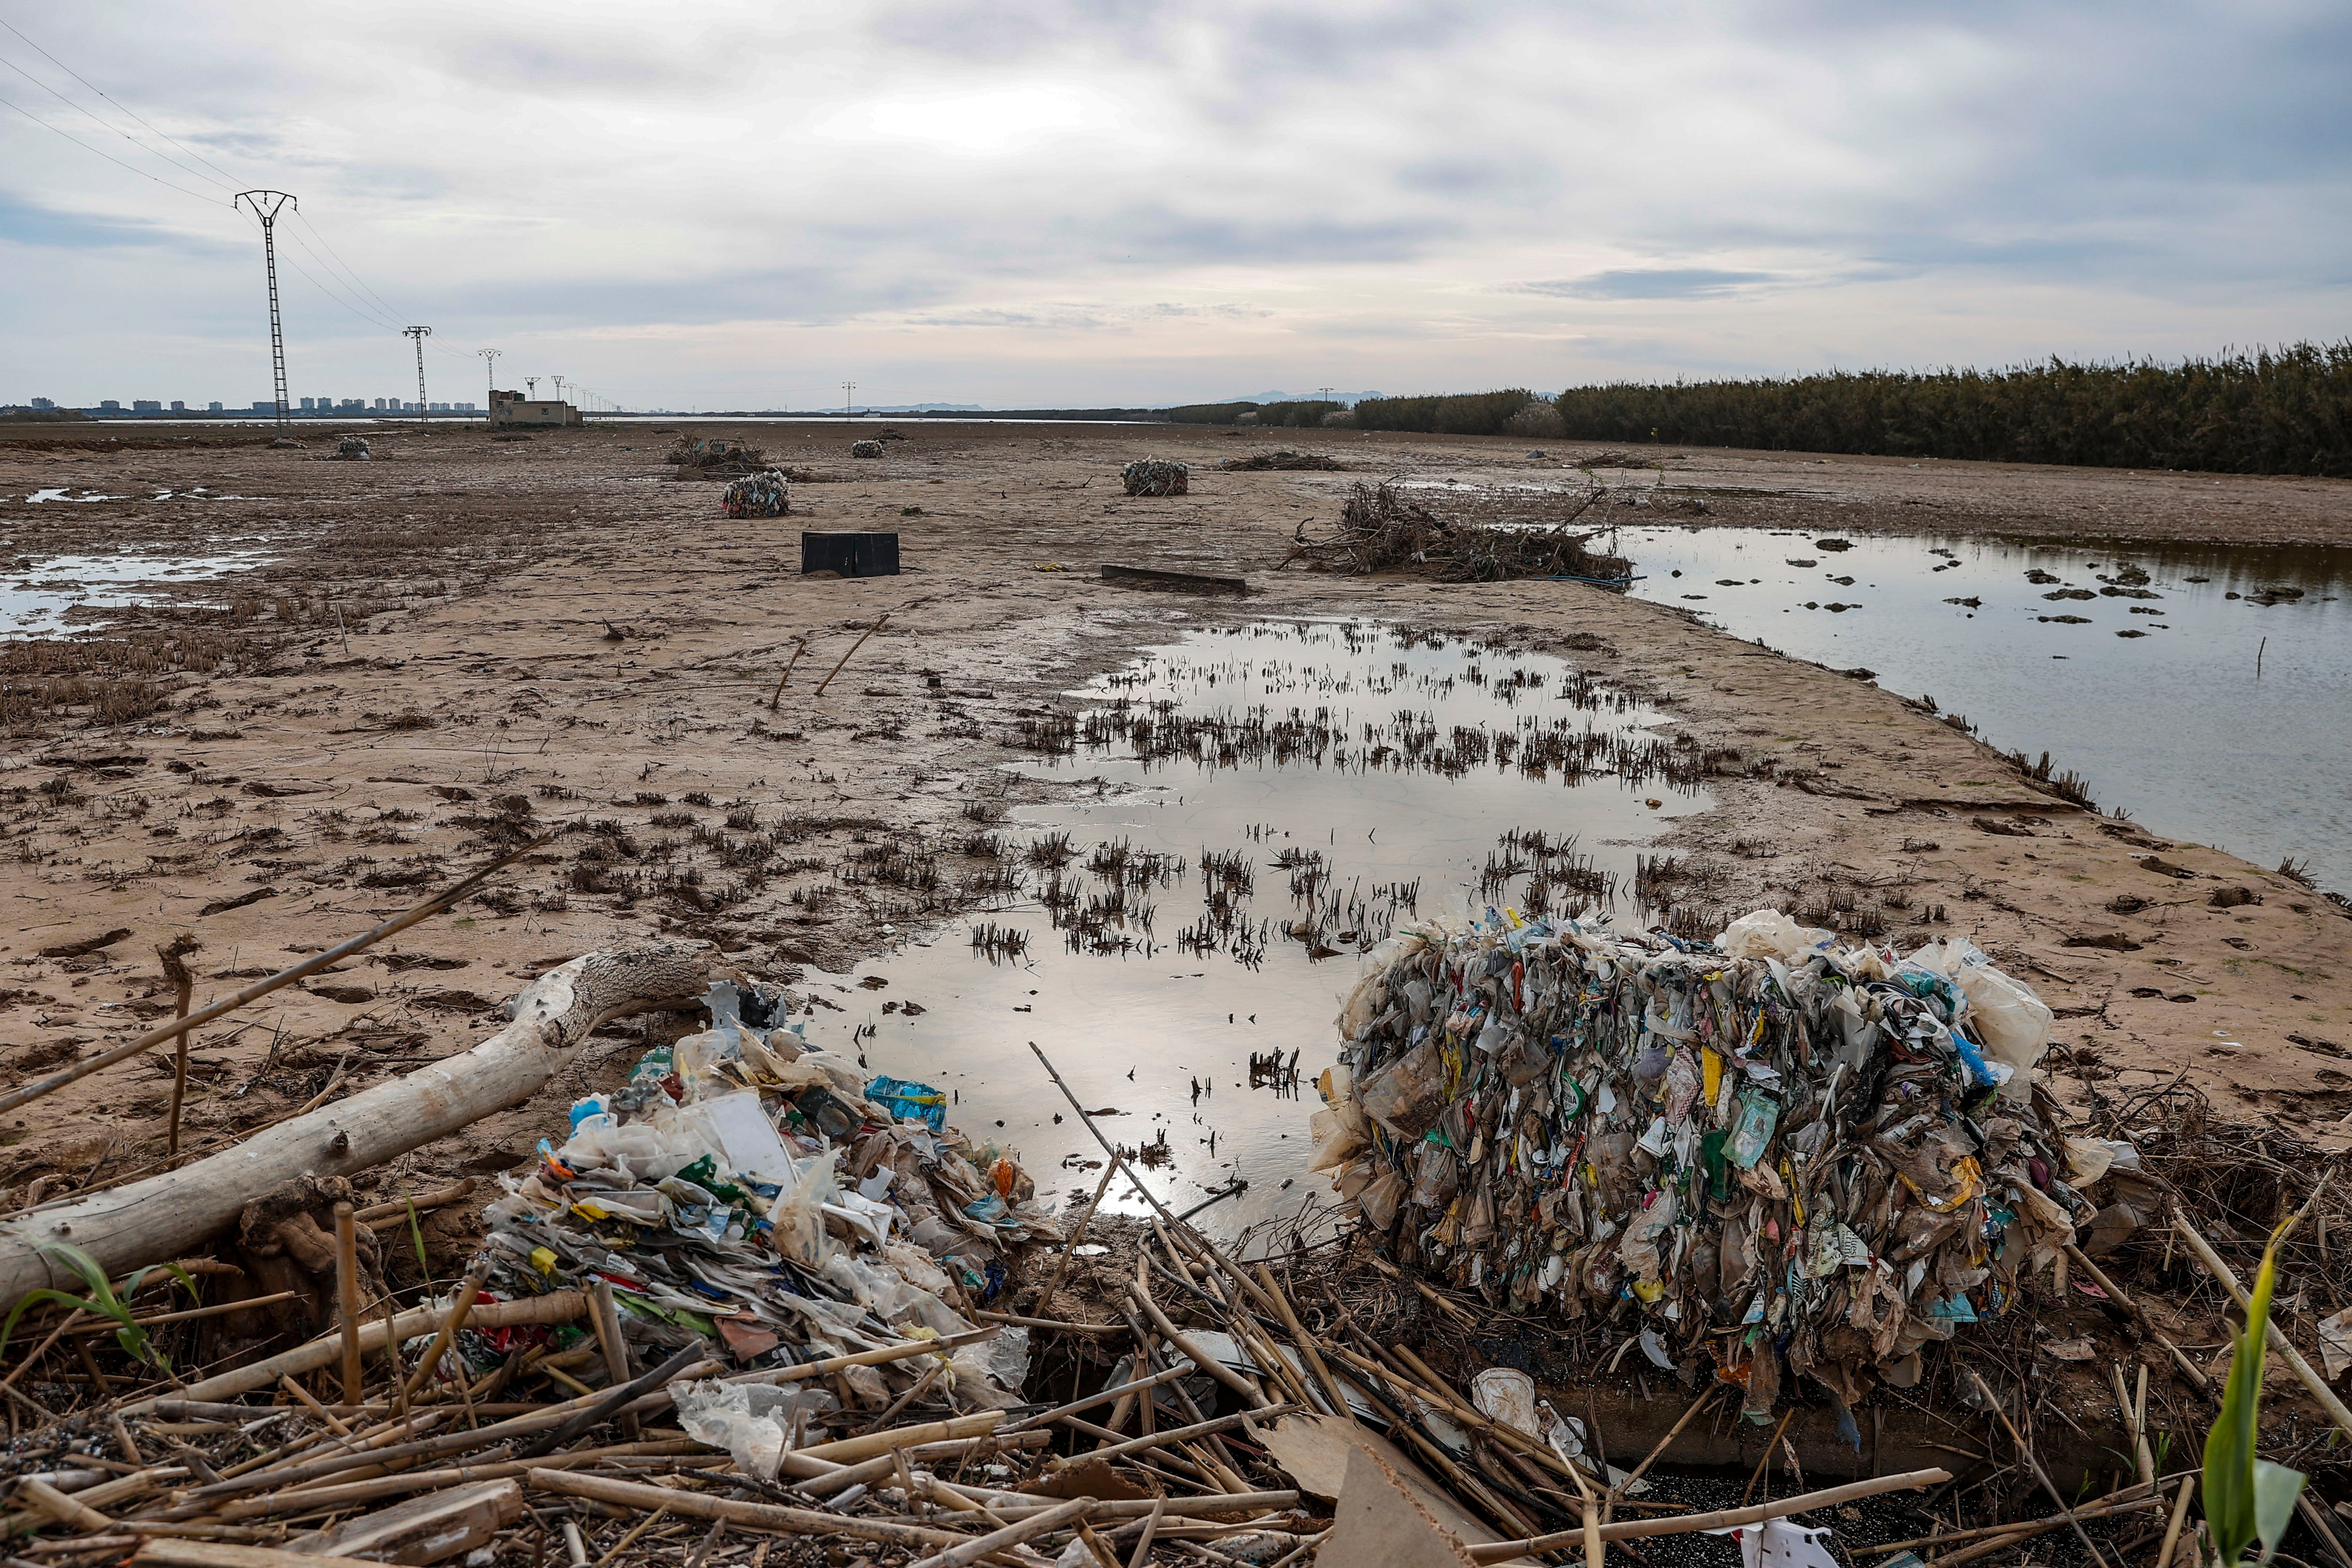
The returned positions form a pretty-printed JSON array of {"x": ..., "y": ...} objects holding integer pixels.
[
  {"x": 1381, "y": 530},
  {"x": 714, "y": 458},
  {"x": 1282, "y": 457}
]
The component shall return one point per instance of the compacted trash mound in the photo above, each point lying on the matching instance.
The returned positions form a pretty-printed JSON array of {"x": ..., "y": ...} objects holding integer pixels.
[
  {"x": 1152, "y": 477},
  {"x": 1836, "y": 1152},
  {"x": 767, "y": 493}
]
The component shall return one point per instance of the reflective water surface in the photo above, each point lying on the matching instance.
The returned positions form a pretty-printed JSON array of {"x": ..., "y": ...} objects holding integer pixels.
[
  {"x": 2208, "y": 688},
  {"x": 1256, "y": 807},
  {"x": 36, "y": 592}
]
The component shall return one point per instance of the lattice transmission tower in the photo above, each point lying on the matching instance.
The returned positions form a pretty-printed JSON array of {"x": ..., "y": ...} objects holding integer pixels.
[
  {"x": 417, "y": 336},
  {"x": 266, "y": 206}
]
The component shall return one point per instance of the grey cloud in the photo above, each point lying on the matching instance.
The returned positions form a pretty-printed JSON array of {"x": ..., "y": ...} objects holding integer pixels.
[
  {"x": 30, "y": 223},
  {"x": 1648, "y": 283}
]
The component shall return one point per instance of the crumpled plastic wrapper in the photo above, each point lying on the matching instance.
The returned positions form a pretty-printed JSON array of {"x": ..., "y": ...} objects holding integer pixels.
[{"x": 1810, "y": 1159}]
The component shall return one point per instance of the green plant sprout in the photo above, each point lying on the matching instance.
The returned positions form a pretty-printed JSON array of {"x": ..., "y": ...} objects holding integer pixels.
[{"x": 102, "y": 1302}]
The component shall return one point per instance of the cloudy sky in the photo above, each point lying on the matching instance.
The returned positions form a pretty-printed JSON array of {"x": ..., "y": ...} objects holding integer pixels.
[{"x": 1129, "y": 202}]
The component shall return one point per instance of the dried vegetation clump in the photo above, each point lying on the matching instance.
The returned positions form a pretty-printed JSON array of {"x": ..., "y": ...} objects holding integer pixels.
[
  {"x": 1381, "y": 530},
  {"x": 1282, "y": 457}
]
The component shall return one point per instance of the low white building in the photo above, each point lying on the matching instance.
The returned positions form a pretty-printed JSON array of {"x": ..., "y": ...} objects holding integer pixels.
[{"x": 514, "y": 408}]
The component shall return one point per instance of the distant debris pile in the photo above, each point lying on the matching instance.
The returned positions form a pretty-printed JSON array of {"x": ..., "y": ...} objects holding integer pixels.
[
  {"x": 1153, "y": 477},
  {"x": 765, "y": 494},
  {"x": 865, "y": 448},
  {"x": 1381, "y": 530},
  {"x": 1282, "y": 457},
  {"x": 716, "y": 459},
  {"x": 352, "y": 448}
]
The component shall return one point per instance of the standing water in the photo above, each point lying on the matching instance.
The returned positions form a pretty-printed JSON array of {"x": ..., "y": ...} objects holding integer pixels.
[
  {"x": 2206, "y": 688},
  {"x": 1252, "y": 808}
]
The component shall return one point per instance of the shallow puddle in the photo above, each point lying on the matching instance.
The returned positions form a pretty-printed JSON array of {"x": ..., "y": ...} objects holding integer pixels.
[
  {"x": 36, "y": 593},
  {"x": 1255, "y": 807},
  {"x": 2136, "y": 668}
]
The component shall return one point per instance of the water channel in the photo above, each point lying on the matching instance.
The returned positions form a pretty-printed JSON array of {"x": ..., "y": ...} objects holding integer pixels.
[{"x": 2206, "y": 688}]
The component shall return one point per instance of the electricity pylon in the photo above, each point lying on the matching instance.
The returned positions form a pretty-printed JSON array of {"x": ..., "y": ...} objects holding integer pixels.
[
  {"x": 417, "y": 336},
  {"x": 491, "y": 369},
  {"x": 266, "y": 206}
]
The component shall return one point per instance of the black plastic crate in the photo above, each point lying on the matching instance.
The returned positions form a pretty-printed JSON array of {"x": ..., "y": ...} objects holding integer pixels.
[{"x": 851, "y": 555}]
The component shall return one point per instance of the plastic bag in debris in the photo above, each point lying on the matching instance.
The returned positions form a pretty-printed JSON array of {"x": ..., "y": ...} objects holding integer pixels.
[
  {"x": 2013, "y": 1023},
  {"x": 1792, "y": 1162},
  {"x": 992, "y": 1371},
  {"x": 752, "y": 1421},
  {"x": 1778, "y": 1543},
  {"x": 1338, "y": 1133},
  {"x": 1506, "y": 1395},
  {"x": 910, "y": 1101},
  {"x": 865, "y": 448},
  {"x": 1768, "y": 934},
  {"x": 796, "y": 1215}
]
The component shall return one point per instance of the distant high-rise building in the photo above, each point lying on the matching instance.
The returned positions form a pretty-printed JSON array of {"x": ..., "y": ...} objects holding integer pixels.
[
  {"x": 379, "y": 403},
  {"x": 350, "y": 404},
  {"x": 211, "y": 407},
  {"x": 45, "y": 404},
  {"x": 108, "y": 405},
  {"x": 465, "y": 408},
  {"x": 308, "y": 404},
  {"x": 146, "y": 406},
  {"x": 264, "y": 405},
  {"x": 178, "y": 406}
]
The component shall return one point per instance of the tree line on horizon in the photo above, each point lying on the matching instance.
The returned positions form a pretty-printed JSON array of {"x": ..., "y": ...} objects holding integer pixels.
[{"x": 2267, "y": 411}]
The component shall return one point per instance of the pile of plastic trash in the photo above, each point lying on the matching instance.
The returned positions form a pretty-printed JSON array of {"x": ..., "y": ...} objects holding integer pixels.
[
  {"x": 765, "y": 494},
  {"x": 1151, "y": 476},
  {"x": 1836, "y": 1149},
  {"x": 748, "y": 1189},
  {"x": 352, "y": 448},
  {"x": 866, "y": 449}
]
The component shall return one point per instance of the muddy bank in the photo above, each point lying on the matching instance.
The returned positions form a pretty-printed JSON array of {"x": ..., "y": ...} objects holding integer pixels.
[{"x": 466, "y": 635}]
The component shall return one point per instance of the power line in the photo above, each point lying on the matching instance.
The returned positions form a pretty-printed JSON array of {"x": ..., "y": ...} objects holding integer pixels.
[
  {"x": 348, "y": 269},
  {"x": 210, "y": 201},
  {"x": 104, "y": 125},
  {"x": 167, "y": 136}
]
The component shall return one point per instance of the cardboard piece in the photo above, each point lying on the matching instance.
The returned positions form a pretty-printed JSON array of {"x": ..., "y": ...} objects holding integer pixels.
[
  {"x": 1378, "y": 1522},
  {"x": 425, "y": 1528},
  {"x": 1320, "y": 1455}
]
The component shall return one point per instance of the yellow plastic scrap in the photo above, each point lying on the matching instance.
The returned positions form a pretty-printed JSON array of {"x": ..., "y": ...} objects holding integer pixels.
[
  {"x": 543, "y": 1259},
  {"x": 1711, "y": 1073},
  {"x": 1967, "y": 1179}
]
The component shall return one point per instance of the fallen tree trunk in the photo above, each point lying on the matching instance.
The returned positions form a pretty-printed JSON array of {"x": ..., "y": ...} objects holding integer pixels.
[{"x": 167, "y": 1216}]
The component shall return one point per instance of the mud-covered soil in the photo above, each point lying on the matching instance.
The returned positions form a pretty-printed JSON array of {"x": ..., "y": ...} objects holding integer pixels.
[{"x": 468, "y": 641}]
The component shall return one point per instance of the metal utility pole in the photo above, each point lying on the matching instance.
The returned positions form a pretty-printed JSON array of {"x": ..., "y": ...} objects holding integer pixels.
[
  {"x": 417, "y": 336},
  {"x": 847, "y": 388},
  {"x": 490, "y": 370},
  {"x": 266, "y": 206},
  {"x": 559, "y": 387},
  {"x": 532, "y": 381}
]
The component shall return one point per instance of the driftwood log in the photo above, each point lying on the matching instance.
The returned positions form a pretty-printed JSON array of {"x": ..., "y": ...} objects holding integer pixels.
[{"x": 172, "y": 1214}]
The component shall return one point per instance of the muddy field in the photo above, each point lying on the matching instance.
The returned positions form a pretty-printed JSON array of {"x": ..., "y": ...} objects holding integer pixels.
[{"x": 469, "y": 641}]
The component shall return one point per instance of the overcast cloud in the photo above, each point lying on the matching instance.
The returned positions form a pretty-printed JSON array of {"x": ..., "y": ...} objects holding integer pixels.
[{"x": 1129, "y": 202}]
